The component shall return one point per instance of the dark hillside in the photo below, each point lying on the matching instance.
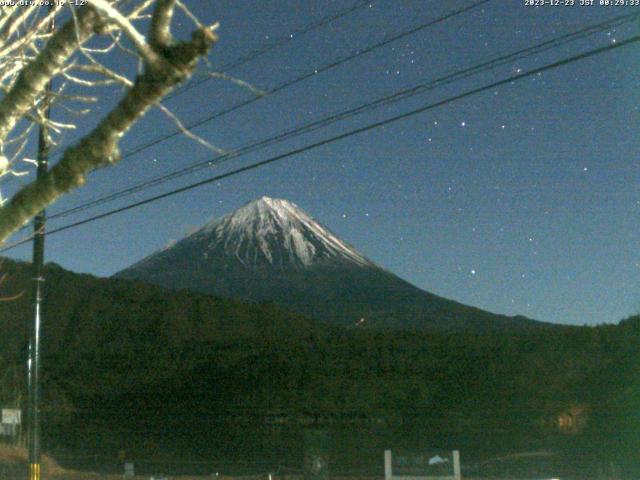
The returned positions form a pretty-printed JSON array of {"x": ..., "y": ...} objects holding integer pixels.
[{"x": 122, "y": 356}]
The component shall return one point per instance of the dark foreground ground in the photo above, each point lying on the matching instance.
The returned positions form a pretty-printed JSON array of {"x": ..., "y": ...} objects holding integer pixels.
[{"x": 13, "y": 466}]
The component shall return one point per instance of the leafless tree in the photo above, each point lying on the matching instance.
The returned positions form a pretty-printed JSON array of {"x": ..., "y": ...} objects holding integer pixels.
[{"x": 77, "y": 55}]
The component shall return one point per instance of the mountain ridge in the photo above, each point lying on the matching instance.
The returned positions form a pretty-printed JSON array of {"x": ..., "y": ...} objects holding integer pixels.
[
  {"x": 250, "y": 234},
  {"x": 272, "y": 250}
]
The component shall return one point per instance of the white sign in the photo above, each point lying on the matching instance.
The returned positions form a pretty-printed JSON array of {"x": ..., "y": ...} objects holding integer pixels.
[
  {"x": 11, "y": 416},
  {"x": 422, "y": 466}
]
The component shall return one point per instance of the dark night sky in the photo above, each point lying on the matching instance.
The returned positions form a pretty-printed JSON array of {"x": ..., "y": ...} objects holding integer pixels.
[{"x": 519, "y": 200}]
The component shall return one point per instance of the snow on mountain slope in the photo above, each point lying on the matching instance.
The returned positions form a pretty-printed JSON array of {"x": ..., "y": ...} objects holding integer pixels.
[
  {"x": 272, "y": 232},
  {"x": 271, "y": 250}
]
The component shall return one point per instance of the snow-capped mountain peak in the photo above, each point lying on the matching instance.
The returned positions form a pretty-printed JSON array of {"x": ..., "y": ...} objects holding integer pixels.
[
  {"x": 276, "y": 232},
  {"x": 272, "y": 250}
]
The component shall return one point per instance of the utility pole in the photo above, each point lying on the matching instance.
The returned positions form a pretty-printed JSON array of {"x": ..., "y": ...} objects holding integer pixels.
[
  {"x": 38, "y": 292},
  {"x": 34, "y": 365}
]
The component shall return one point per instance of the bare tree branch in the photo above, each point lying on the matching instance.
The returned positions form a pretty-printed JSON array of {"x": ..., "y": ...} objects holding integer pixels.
[
  {"x": 100, "y": 147},
  {"x": 160, "y": 31},
  {"x": 34, "y": 77},
  {"x": 139, "y": 41}
]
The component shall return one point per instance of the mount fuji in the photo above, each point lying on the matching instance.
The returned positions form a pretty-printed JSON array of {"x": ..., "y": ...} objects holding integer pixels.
[{"x": 271, "y": 250}]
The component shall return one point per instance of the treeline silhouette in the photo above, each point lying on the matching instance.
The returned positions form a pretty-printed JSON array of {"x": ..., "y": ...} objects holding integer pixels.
[{"x": 120, "y": 353}]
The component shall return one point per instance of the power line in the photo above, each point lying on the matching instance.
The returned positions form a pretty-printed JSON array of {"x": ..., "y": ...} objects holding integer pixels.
[
  {"x": 305, "y": 76},
  {"x": 278, "y": 42},
  {"x": 372, "y": 126},
  {"x": 301, "y": 78},
  {"x": 267, "y": 48},
  {"x": 327, "y": 120}
]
